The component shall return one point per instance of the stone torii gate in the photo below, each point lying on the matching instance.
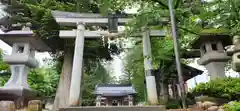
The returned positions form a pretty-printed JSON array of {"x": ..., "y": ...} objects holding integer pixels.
[{"x": 80, "y": 20}]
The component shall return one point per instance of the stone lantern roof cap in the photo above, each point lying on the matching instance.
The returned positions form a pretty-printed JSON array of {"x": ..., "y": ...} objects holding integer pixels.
[
  {"x": 24, "y": 36},
  {"x": 206, "y": 36}
]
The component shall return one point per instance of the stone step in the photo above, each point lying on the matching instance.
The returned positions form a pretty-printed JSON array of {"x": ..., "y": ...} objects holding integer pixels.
[{"x": 117, "y": 108}]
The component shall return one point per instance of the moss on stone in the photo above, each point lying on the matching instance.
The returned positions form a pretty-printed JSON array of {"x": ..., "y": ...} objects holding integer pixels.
[{"x": 214, "y": 31}]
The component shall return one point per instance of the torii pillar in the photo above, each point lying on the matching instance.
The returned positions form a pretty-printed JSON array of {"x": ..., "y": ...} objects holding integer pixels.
[
  {"x": 150, "y": 79},
  {"x": 77, "y": 66}
]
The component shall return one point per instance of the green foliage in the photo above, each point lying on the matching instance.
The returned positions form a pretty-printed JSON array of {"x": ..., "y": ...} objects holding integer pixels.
[
  {"x": 3, "y": 66},
  {"x": 43, "y": 81},
  {"x": 232, "y": 106},
  {"x": 4, "y": 70},
  {"x": 95, "y": 74},
  {"x": 135, "y": 68},
  {"x": 214, "y": 31},
  {"x": 173, "y": 104},
  {"x": 221, "y": 88}
]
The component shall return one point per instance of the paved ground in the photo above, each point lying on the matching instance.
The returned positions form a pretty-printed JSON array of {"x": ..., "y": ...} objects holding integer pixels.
[{"x": 119, "y": 108}]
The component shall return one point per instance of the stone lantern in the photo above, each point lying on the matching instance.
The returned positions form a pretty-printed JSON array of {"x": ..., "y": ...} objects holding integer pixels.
[
  {"x": 24, "y": 44},
  {"x": 234, "y": 51},
  {"x": 213, "y": 56}
]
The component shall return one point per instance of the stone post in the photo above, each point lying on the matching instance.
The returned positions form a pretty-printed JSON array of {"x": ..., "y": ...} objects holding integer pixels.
[
  {"x": 98, "y": 100},
  {"x": 77, "y": 69},
  {"x": 150, "y": 79},
  {"x": 170, "y": 91},
  {"x": 130, "y": 100},
  {"x": 7, "y": 106},
  {"x": 35, "y": 105}
]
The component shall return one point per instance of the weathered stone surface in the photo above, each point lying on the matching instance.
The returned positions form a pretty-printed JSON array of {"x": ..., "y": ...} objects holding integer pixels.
[
  {"x": 212, "y": 108},
  {"x": 199, "y": 104},
  {"x": 218, "y": 101},
  {"x": 7, "y": 106},
  {"x": 35, "y": 105},
  {"x": 208, "y": 104},
  {"x": 119, "y": 108},
  {"x": 19, "y": 95},
  {"x": 220, "y": 109}
]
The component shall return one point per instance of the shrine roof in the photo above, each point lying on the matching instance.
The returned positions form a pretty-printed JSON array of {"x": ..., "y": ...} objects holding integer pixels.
[
  {"x": 187, "y": 71},
  {"x": 191, "y": 54},
  {"x": 190, "y": 72},
  {"x": 114, "y": 90}
]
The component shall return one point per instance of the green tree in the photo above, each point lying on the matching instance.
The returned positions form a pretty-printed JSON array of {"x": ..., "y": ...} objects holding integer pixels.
[
  {"x": 192, "y": 17},
  {"x": 4, "y": 69},
  {"x": 3, "y": 66},
  {"x": 48, "y": 30},
  {"x": 94, "y": 50}
]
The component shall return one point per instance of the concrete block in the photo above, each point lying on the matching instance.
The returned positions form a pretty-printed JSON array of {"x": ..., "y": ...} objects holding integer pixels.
[
  {"x": 7, "y": 106},
  {"x": 35, "y": 105}
]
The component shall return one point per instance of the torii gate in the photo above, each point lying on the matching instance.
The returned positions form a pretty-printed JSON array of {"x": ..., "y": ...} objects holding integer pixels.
[{"x": 79, "y": 20}]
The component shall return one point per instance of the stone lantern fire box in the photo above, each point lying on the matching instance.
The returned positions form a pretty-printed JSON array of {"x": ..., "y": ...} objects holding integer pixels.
[
  {"x": 24, "y": 44},
  {"x": 213, "y": 56}
]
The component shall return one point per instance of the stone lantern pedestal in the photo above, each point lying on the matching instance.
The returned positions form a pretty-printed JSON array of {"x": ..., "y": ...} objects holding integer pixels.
[
  {"x": 22, "y": 59},
  {"x": 213, "y": 56}
]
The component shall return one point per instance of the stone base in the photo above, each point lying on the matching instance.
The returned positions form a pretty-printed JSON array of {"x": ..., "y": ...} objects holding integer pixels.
[
  {"x": 19, "y": 95},
  {"x": 7, "y": 106},
  {"x": 117, "y": 108}
]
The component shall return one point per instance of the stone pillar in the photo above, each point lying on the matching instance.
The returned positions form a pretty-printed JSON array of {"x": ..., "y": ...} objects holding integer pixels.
[
  {"x": 178, "y": 90},
  {"x": 150, "y": 79},
  {"x": 77, "y": 69},
  {"x": 214, "y": 59},
  {"x": 35, "y": 105},
  {"x": 170, "y": 91},
  {"x": 98, "y": 100},
  {"x": 130, "y": 100},
  {"x": 7, "y": 106}
]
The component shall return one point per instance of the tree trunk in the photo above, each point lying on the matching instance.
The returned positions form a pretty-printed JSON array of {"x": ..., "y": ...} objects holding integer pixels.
[{"x": 62, "y": 94}]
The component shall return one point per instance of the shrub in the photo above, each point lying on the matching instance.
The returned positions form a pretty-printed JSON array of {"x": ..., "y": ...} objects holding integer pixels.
[
  {"x": 228, "y": 88},
  {"x": 232, "y": 106},
  {"x": 173, "y": 104}
]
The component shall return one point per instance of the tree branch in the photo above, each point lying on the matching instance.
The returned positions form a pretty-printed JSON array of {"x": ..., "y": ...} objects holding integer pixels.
[
  {"x": 187, "y": 30},
  {"x": 162, "y": 4},
  {"x": 177, "y": 4}
]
